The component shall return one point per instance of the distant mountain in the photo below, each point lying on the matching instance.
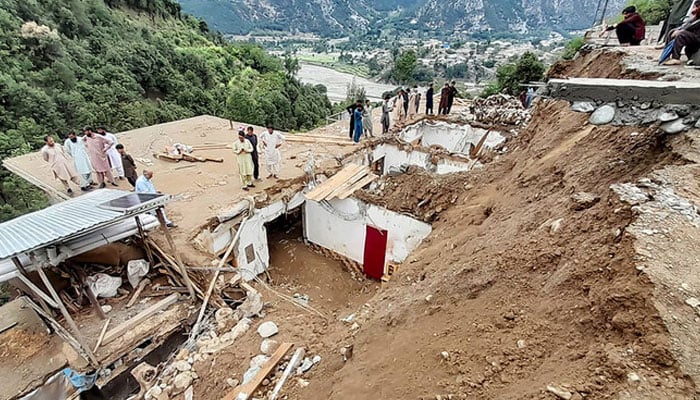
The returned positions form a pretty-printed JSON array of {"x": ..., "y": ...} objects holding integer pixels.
[{"x": 342, "y": 17}]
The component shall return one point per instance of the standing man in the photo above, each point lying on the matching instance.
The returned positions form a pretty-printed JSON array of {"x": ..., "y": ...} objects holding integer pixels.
[
  {"x": 358, "y": 124},
  {"x": 411, "y": 104},
  {"x": 351, "y": 111},
  {"x": 61, "y": 165},
  {"x": 451, "y": 96},
  {"x": 97, "y": 147},
  {"x": 76, "y": 149},
  {"x": 444, "y": 95},
  {"x": 145, "y": 185},
  {"x": 400, "y": 110},
  {"x": 418, "y": 96},
  {"x": 367, "y": 119},
  {"x": 244, "y": 155},
  {"x": 114, "y": 158},
  {"x": 429, "y": 99},
  {"x": 406, "y": 96},
  {"x": 129, "y": 165},
  {"x": 272, "y": 141},
  {"x": 386, "y": 119},
  {"x": 253, "y": 139}
]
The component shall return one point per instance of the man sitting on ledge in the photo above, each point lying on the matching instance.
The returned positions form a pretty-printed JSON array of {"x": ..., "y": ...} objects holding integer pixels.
[
  {"x": 687, "y": 36},
  {"x": 632, "y": 30}
]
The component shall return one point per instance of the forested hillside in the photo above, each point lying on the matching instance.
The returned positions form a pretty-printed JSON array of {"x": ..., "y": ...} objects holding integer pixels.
[{"x": 127, "y": 64}]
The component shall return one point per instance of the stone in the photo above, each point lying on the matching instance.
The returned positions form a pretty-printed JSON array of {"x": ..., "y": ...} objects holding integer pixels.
[
  {"x": 583, "y": 107},
  {"x": 603, "y": 115},
  {"x": 355, "y": 326},
  {"x": 223, "y": 315},
  {"x": 183, "y": 354},
  {"x": 316, "y": 359},
  {"x": 153, "y": 393},
  {"x": 521, "y": 344},
  {"x": 233, "y": 382},
  {"x": 559, "y": 392},
  {"x": 269, "y": 346},
  {"x": 258, "y": 361},
  {"x": 182, "y": 365},
  {"x": 693, "y": 302},
  {"x": 674, "y": 127},
  {"x": 346, "y": 352},
  {"x": 303, "y": 383},
  {"x": 106, "y": 308},
  {"x": 189, "y": 393},
  {"x": 584, "y": 200},
  {"x": 268, "y": 329},
  {"x": 252, "y": 306},
  {"x": 428, "y": 298},
  {"x": 645, "y": 106},
  {"x": 305, "y": 366},
  {"x": 182, "y": 380},
  {"x": 697, "y": 124},
  {"x": 265, "y": 382},
  {"x": 556, "y": 225},
  {"x": 668, "y": 116},
  {"x": 633, "y": 377},
  {"x": 445, "y": 355}
]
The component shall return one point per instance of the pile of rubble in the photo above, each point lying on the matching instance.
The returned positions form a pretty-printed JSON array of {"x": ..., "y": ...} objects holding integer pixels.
[
  {"x": 674, "y": 118},
  {"x": 499, "y": 109},
  {"x": 265, "y": 375}
]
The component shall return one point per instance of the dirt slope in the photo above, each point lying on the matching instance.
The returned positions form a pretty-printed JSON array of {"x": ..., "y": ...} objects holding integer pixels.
[{"x": 527, "y": 288}]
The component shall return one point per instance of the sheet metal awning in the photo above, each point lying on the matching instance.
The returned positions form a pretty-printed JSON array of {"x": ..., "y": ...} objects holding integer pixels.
[{"x": 72, "y": 219}]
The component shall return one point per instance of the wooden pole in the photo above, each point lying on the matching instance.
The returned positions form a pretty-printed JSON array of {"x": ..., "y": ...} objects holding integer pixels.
[
  {"x": 24, "y": 277},
  {"x": 212, "y": 284},
  {"x": 102, "y": 335},
  {"x": 142, "y": 234},
  {"x": 79, "y": 337},
  {"x": 171, "y": 243}
]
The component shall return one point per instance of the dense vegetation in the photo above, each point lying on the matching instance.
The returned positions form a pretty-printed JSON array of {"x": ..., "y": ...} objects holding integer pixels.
[
  {"x": 653, "y": 11},
  {"x": 510, "y": 76},
  {"x": 126, "y": 64}
]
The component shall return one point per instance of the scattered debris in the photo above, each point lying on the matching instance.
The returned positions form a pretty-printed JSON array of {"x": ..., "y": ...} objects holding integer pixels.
[
  {"x": 269, "y": 346},
  {"x": 301, "y": 299},
  {"x": 445, "y": 355},
  {"x": 633, "y": 377},
  {"x": 559, "y": 392},
  {"x": 346, "y": 352},
  {"x": 584, "y": 200},
  {"x": 583, "y": 107},
  {"x": 521, "y": 344}
]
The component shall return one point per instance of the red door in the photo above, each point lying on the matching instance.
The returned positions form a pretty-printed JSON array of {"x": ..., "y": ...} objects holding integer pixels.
[{"x": 375, "y": 252}]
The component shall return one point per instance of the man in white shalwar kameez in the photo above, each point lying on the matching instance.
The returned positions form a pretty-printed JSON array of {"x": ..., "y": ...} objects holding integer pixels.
[
  {"x": 115, "y": 159},
  {"x": 75, "y": 147},
  {"x": 271, "y": 142}
]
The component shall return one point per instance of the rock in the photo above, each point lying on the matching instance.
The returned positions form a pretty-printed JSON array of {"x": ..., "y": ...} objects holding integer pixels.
[
  {"x": 521, "y": 344},
  {"x": 355, "y": 326},
  {"x": 258, "y": 361},
  {"x": 428, "y": 298},
  {"x": 252, "y": 306},
  {"x": 346, "y": 351},
  {"x": 233, "y": 382},
  {"x": 603, "y": 115},
  {"x": 303, "y": 383},
  {"x": 223, "y": 315},
  {"x": 153, "y": 393},
  {"x": 182, "y": 380},
  {"x": 445, "y": 355},
  {"x": 189, "y": 393},
  {"x": 302, "y": 299},
  {"x": 674, "y": 127},
  {"x": 183, "y": 354},
  {"x": 584, "y": 200},
  {"x": 269, "y": 346},
  {"x": 265, "y": 382},
  {"x": 583, "y": 107},
  {"x": 645, "y": 106},
  {"x": 305, "y": 366},
  {"x": 668, "y": 116},
  {"x": 182, "y": 365},
  {"x": 559, "y": 392},
  {"x": 632, "y": 377},
  {"x": 316, "y": 359},
  {"x": 268, "y": 329},
  {"x": 697, "y": 124},
  {"x": 556, "y": 225},
  {"x": 348, "y": 319},
  {"x": 106, "y": 308},
  {"x": 693, "y": 302}
]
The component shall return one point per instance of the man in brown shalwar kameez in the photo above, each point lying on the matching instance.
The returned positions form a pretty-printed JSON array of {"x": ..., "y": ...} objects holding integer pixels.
[{"x": 61, "y": 165}]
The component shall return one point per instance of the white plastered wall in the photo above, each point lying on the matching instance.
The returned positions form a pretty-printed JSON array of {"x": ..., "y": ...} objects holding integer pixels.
[
  {"x": 455, "y": 138},
  {"x": 341, "y": 227},
  {"x": 395, "y": 158}
]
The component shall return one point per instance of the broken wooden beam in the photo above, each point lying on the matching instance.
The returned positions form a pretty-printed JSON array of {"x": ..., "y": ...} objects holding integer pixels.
[
  {"x": 137, "y": 292},
  {"x": 102, "y": 335},
  {"x": 244, "y": 392},
  {"x": 140, "y": 317}
]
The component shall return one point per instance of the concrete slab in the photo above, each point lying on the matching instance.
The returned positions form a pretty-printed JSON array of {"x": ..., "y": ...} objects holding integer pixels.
[{"x": 611, "y": 90}]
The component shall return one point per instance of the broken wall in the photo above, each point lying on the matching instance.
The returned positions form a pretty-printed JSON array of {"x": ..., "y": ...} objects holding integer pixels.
[
  {"x": 395, "y": 159},
  {"x": 340, "y": 226},
  {"x": 454, "y": 138}
]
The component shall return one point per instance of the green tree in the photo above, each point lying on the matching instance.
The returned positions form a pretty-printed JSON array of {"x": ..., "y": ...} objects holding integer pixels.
[
  {"x": 510, "y": 76},
  {"x": 572, "y": 48},
  {"x": 404, "y": 67},
  {"x": 653, "y": 11}
]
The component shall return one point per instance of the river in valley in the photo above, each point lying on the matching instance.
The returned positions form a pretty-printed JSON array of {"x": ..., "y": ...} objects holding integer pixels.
[{"x": 337, "y": 82}]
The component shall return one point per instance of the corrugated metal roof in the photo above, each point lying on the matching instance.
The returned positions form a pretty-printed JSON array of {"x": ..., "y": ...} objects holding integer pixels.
[{"x": 60, "y": 222}]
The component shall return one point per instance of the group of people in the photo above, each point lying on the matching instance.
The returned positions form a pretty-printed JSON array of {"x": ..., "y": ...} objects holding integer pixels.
[
  {"x": 95, "y": 152},
  {"x": 246, "y": 149},
  {"x": 405, "y": 104},
  {"x": 631, "y": 31}
]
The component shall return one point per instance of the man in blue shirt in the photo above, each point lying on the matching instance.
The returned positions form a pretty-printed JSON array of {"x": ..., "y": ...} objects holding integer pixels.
[{"x": 145, "y": 185}]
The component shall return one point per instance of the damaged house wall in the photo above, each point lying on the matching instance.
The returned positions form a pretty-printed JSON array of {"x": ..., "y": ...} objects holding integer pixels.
[
  {"x": 395, "y": 159},
  {"x": 340, "y": 226},
  {"x": 452, "y": 137}
]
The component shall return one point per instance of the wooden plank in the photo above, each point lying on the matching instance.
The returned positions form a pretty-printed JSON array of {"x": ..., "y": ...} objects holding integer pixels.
[
  {"x": 37, "y": 291},
  {"x": 348, "y": 183},
  {"x": 167, "y": 157},
  {"x": 319, "y": 193},
  {"x": 137, "y": 292},
  {"x": 140, "y": 317},
  {"x": 293, "y": 363},
  {"x": 102, "y": 335},
  {"x": 359, "y": 185},
  {"x": 243, "y": 392}
]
